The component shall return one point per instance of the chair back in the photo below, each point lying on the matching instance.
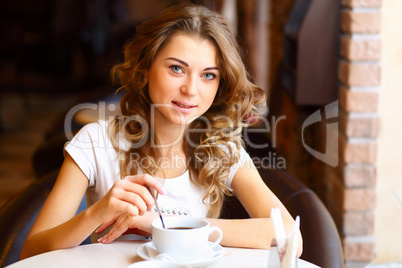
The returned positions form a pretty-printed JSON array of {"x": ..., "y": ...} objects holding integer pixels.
[{"x": 18, "y": 215}]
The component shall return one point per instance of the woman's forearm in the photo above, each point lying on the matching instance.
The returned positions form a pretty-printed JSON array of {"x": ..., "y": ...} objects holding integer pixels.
[
  {"x": 66, "y": 235},
  {"x": 249, "y": 233}
]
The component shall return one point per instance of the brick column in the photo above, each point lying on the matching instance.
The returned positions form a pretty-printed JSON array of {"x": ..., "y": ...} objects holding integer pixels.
[{"x": 359, "y": 78}]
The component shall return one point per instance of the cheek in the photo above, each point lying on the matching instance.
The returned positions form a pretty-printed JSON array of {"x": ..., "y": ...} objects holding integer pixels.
[
  {"x": 156, "y": 86},
  {"x": 212, "y": 94},
  {"x": 208, "y": 99},
  {"x": 164, "y": 84}
]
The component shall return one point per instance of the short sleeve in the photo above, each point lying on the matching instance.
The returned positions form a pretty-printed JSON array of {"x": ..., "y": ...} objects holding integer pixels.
[
  {"x": 86, "y": 146},
  {"x": 244, "y": 157}
]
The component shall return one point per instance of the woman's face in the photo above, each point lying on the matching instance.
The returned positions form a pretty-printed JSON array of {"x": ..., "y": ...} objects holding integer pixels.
[{"x": 183, "y": 79}]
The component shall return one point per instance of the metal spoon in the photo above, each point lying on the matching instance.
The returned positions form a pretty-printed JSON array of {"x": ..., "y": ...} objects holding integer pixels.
[{"x": 157, "y": 208}]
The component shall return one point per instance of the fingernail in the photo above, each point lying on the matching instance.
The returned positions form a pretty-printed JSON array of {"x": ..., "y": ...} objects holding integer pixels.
[
  {"x": 163, "y": 191},
  {"x": 102, "y": 240}
]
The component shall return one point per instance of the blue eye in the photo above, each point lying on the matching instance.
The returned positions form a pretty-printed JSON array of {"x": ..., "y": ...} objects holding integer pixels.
[
  {"x": 209, "y": 76},
  {"x": 176, "y": 69}
]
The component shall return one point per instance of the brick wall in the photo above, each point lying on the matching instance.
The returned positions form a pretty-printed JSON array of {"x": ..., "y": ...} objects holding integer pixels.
[
  {"x": 359, "y": 75},
  {"x": 348, "y": 190}
]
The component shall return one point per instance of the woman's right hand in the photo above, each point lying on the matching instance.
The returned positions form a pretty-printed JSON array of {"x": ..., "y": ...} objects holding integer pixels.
[
  {"x": 58, "y": 226},
  {"x": 129, "y": 195}
]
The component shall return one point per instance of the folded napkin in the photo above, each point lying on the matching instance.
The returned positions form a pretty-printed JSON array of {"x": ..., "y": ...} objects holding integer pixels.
[{"x": 286, "y": 244}]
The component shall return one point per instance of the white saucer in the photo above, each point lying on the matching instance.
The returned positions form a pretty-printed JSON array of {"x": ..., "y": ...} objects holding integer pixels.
[
  {"x": 219, "y": 252},
  {"x": 153, "y": 264}
]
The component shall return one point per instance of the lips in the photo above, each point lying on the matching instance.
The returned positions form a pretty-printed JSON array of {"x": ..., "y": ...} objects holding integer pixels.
[{"x": 184, "y": 105}]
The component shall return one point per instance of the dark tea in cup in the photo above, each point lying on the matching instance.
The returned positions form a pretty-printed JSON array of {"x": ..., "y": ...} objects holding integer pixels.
[{"x": 180, "y": 228}]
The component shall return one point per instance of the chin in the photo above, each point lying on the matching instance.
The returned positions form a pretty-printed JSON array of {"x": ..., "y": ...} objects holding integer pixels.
[
  {"x": 182, "y": 121},
  {"x": 178, "y": 121}
]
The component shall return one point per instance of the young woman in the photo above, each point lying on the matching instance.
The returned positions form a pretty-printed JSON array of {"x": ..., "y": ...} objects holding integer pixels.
[{"x": 188, "y": 98}]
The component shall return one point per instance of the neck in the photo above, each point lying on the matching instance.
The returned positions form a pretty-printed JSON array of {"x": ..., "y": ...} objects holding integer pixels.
[
  {"x": 169, "y": 142},
  {"x": 169, "y": 138}
]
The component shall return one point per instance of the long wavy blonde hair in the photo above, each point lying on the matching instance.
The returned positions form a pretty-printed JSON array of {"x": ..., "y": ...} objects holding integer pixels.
[{"x": 209, "y": 152}]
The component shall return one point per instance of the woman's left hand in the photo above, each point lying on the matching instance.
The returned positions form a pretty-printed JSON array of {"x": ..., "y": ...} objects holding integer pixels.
[{"x": 126, "y": 224}]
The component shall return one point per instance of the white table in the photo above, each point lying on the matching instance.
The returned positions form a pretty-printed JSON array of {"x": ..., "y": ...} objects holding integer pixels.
[{"x": 124, "y": 253}]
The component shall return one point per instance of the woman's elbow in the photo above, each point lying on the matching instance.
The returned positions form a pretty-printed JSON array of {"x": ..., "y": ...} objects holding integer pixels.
[
  {"x": 25, "y": 251},
  {"x": 30, "y": 248}
]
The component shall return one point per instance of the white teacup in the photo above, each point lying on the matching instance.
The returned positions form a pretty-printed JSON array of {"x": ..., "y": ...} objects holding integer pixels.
[{"x": 185, "y": 238}]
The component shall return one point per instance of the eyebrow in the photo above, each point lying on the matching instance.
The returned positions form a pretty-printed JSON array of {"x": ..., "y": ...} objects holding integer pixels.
[{"x": 187, "y": 65}]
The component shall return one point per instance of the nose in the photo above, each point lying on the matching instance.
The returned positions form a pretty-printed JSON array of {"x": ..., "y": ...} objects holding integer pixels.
[{"x": 189, "y": 87}]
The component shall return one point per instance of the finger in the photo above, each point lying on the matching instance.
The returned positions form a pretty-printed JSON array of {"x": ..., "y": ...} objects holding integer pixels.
[
  {"x": 118, "y": 205},
  {"x": 131, "y": 209},
  {"x": 122, "y": 224},
  {"x": 137, "y": 203},
  {"x": 134, "y": 191},
  {"x": 151, "y": 184},
  {"x": 148, "y": 180},
  {"x": 137, "y": 231},
  {"x": 105, "y": 225}
]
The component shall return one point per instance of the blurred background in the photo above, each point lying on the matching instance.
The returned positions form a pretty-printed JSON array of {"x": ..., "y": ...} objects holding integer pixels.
[{"x": 308, "y": 55}]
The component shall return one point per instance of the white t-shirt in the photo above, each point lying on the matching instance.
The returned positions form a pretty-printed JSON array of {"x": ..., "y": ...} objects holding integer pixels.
[{"x": 93, "y": 152}]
